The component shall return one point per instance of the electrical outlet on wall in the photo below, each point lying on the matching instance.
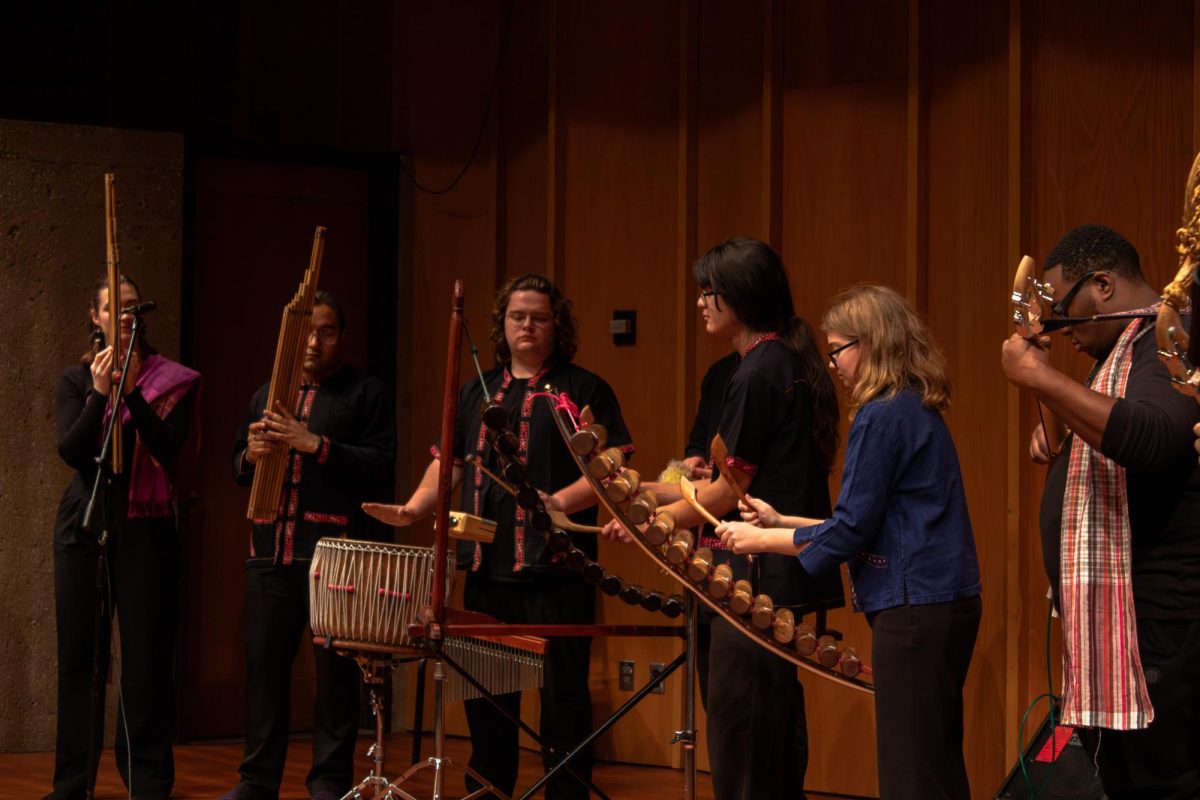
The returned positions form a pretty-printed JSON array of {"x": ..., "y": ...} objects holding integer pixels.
[
  {"x": 625, "y": 676},
  {"x": 655, "y": 668}
]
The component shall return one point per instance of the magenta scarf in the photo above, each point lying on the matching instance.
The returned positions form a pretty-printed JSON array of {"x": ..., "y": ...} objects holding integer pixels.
[{"x": 163, "y": 383}]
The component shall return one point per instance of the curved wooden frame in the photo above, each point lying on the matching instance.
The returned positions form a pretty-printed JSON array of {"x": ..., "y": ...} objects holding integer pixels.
[{"x": 677, "y": 573}]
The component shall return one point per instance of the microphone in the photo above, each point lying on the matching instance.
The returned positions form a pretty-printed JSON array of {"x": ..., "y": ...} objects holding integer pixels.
[{"x": 140, "y": 308}]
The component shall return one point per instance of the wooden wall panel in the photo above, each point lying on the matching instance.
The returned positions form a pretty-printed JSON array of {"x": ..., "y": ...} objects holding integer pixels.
[
  {"x": 619, "y": 251},
  {"x": 968, "y": 279},
  {"x": 454, "y": 234},
  {"x": 254, "y": 226},
  {"x": 1108, "y": 129},
  {"x": 915, "y": 143},
  {"x": 729, "y": 83},
  {"x": 844, "y": 184},
  {"x": 728, "y": 141}
]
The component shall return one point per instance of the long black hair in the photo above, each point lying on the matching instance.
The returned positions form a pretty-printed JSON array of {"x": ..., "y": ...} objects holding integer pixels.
[{"x": 748, "y": 276}]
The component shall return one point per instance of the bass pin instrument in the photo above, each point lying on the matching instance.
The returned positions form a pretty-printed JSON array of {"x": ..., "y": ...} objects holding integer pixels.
[{"x": 1175, "y": 344}]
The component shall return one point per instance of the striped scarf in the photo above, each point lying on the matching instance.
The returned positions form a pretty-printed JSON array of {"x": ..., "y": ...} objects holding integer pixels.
[{"x": 1103, "y": 683}]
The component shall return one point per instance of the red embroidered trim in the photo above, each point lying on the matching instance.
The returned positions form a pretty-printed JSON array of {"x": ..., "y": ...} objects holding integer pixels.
[
  {"x": 742, "y": 465},
  {"x": 289, "y": 541},
  {"x": 480, "y": 443},
  {"x": 756, "y": 341},
  {"x": 519, "y": 526},
  {"x": 531, "y": 387},
  {"x": 628, "y": 449},
  {"x": 326, "y": 519},
  {"x": 252, "y": 553},
  {"x": 308, "y": 393},
  {"x": 436, "y": 453},
  {"x": 323, "y": 453}
]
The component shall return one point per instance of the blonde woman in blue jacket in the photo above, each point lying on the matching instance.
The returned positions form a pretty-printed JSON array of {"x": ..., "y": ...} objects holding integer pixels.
[{"x": 901, "y": 524}]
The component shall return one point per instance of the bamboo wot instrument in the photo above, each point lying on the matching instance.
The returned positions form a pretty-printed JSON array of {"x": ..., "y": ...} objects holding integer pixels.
[
  {"x": 285, "y": 379},
  {"x": 114, "y": 310}
]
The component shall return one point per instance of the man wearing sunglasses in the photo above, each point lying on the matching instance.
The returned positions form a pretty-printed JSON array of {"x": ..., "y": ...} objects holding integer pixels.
[{"x": 1120, "y": 522}]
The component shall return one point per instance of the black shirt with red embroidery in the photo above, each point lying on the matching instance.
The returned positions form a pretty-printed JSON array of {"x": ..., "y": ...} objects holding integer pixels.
[
  {"x": 519, "y": 551},
  {"x": 323, "y": 491},
  {"x": 766, "y": 424}
]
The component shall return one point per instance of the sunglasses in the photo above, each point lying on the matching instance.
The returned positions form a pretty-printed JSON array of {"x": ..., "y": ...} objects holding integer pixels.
[{"x": 1060, "y": 308}]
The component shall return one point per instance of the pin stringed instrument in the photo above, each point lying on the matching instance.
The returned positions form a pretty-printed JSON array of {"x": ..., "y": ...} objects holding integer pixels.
[
  {"x": 1174, "y": 341},
  {"x": 114, "y": 311},
  {"x": 294, "y": 330},
  {"x": 1029, "y": 299}
]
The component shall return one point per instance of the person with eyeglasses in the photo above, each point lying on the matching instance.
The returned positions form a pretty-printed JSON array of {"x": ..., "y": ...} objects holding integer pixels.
[
  {"x": 517, "y": 578},
  {"x": 778, "y": 417},
  {"x": 340, "y": 436},
  {"x": 901, "y": 524},
  {"x": 1120, "y": 522}
]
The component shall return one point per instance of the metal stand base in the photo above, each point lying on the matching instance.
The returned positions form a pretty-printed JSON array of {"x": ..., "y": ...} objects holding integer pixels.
[{"x": 376, "y": 785}]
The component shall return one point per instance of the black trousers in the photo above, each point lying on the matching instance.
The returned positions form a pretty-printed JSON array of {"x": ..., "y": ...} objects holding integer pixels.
[
  {"x": 920, "y": 655},
  {"x": 276, "y": 616},
  {"x": 566, "y": 715},
  {"x": 757, "y": 732},
  {"x": 143, "y": 562},
  {"x": 1162, "y": 761}
]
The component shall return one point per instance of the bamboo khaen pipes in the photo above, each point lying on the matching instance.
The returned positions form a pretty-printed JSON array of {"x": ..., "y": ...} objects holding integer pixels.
[
  {"x": 115, "y": 306},
  {"x": 294, "y": 331}
]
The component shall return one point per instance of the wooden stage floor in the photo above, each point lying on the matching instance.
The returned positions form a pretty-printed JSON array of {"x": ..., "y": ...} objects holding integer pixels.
[{"x": 208, "y": 770}]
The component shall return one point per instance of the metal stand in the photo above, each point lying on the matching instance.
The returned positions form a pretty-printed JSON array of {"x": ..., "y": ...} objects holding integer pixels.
[
  {"x": 438, "y": 762},
  {"x": 104, "y": 478},
  {"x": 688, "y": 735},
  {"x": 375, "y": 672}
]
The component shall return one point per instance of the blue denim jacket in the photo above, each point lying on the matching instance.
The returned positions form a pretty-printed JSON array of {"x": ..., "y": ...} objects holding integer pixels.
[{"x": 901, "y": 520}]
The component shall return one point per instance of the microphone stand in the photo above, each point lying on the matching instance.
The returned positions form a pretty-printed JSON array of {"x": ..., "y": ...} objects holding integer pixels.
[{"x": 105, "y": 478}]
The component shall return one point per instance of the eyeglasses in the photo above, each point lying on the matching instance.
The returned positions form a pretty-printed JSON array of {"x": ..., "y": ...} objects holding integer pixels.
[
  {"x": 707, "y": 293},
  {"x": 519, "y": 318},
  {"x": 323, "y": 335},
  {"x": 1060, "y": 308},
  {"x": 833, "y": 354}
]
